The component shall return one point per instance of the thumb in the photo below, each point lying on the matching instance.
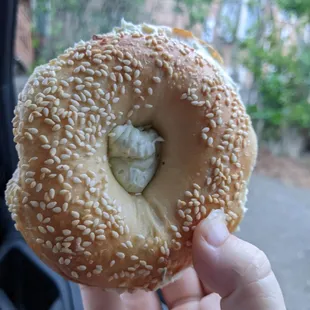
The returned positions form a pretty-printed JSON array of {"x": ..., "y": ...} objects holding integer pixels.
[{"x": 236, "y": 270}]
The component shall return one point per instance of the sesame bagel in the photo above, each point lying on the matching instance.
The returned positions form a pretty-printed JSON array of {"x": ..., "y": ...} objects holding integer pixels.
[{"x": 125, "y": 143}]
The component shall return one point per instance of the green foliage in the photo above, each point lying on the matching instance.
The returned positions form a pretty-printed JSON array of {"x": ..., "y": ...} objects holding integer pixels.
[
  {"x": 299, "y": 7},
  {"x": 196, "y": 10},
  {"x": 60, "y": 23},
  {"x": 282, "y": 78}
]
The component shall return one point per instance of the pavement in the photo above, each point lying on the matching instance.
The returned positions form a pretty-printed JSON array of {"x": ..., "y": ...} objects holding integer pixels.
[{"x": 278, "y": 222}]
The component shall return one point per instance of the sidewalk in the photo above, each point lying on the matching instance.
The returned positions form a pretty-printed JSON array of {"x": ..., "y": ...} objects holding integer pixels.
[{"x": 278, "y": 222}]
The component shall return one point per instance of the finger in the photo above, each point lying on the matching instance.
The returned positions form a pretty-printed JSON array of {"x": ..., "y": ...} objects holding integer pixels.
[
  {"x": 236, "y": 270},
  {"x": 185, "y": 290},
  {"x": 141, "y": 300},
  {"x": 97, "y": 299},
  {"x": 211, "y": 302}
]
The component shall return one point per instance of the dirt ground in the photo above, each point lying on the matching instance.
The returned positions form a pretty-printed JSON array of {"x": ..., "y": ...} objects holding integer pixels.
[{"x": 290, "y": 171}]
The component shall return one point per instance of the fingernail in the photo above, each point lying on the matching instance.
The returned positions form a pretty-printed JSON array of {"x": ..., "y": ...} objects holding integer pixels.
[{"x": 214, "y": 229}]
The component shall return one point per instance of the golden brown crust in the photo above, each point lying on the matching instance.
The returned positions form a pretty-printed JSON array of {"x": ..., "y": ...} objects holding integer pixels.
[{"x": 63, "y": 196}]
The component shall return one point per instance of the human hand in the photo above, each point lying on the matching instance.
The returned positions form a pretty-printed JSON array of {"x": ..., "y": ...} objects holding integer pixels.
[{"x": 228, "y": 274}]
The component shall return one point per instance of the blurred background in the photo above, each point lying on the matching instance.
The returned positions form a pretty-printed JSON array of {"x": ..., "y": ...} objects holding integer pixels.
[{"x": 265, "y": 45}]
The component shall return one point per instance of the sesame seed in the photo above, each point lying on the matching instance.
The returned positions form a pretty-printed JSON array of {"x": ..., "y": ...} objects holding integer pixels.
[
  {"x": 91, "y": 101},
  {"x": 120, "y": 255},
  {"x": 156, "y": 79},
  {"x": 234, "y": 158},
  {"x": 105, "y": 73},
  {"x": 221, "y": 192},
  {"x": 76, "y": 180},
  {"x": 42, "y": 229},
  {"x": 189, "y": 218},
  {"x": 39, "y": 241},
  {"x": 50, "y": 229},
  {"x": 162, "y": 250},
  {"x": 184, "y": 96},
  {"x": 86, "y": 244},
  {"x": 87, "y": 93},
  {"x": 140, "y": 236},
  {"x": 64, "y": 83},
  {"x": 174, "y": 228},
  {"x": 25, "y": 200},
  {"x": 210, "y": 141},
  {"x": 90, "y": 71},
  {"x": 43, "y": 139},
  {"x": 127, "y": 69},
  {"x": 196, "y": 193},
  {"x": 116, "y": 276},
  {"x": 40, "y": 217},
  {"x": 74, "y": 274},
  {"x": 126, "y": 62},
  {"x": 188, "y": 194},
  {"x": 99, "y": 231},
  {"x": 56, "y": 127},
  {"x": 126, "y": 229},
  {"x": 196, "y": 186},
  {"x": 127, "y": 77},
  {"x": 128, "y": 55},
  {"x": 130, "y": 113},
  {"x": 115, "y": 234},
  {"x": 159, "y": 63},
  {"x": 61, "y": 260},
  {"x": 52, "y": 193},
  {"x": 88, "y": 222},
  {"x": 232, "y": 214},
  {"x": 137, "y": 74},
  {"x": 79, "y": 87},
  {"x": 51, "y": 205},
  {"x": 181, "y": 213},
  {"x": 39, "y": 187},
  {"x": 46, "y": 146},
  {"x": 137, "y": 83},
  {"x": 113, "y": 76},
  {"x": 197, "y": 103},
  {"x": 213, "y": 123},
  {"x": 161, "y": 260},
  {"x": 71, "y": 238},
  {"x": 66, "y": 232},
  {"x": 33, "y": 130},
  {"x": 204, "y": 136},
  {"x": 129, "y": 243}
]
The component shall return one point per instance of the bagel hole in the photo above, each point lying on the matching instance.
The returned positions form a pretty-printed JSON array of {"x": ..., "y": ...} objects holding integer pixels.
[{"x": 134, "y": 156}]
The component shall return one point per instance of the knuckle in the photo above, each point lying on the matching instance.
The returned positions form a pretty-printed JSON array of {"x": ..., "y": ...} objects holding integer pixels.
[{"x": 258, "y": 267}]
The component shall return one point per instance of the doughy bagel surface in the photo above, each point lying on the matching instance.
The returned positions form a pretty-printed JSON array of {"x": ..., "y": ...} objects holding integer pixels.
[{"x": 64, "y": 197}]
